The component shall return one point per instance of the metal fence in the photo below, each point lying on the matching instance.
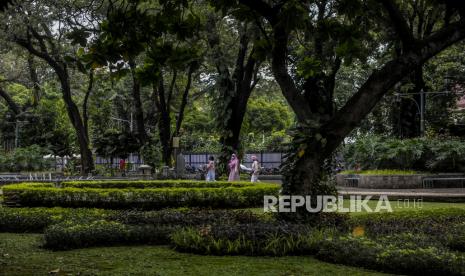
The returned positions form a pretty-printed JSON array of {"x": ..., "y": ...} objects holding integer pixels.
[
  {"x": 269, "y": 160},
  {"x": 132, "y": 162}
]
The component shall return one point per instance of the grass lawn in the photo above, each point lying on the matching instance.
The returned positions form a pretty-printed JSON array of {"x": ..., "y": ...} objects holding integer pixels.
[
  {"x": 20, "y": 255},
  {"x": 397, "y": 206}
]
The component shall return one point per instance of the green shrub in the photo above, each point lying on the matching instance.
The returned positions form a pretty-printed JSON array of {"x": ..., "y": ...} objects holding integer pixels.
[
  {"x": 390, "y": 256},
  {"x": 69, "y": 235},
  {"x": 186, "y": 217},
  {"x": 25, "y": 159},
  {"x": 380, "y": 172},
  {"x": 456, "y": 237},
  {"x": 421, "y": 154},
  {"x": 45, "y": 194},
  {"x": 249, "y": 239},
  {"x": 141, "y": 184},
  {"x": 35, "y": 220},
  {"x": 434, "y": 222}
]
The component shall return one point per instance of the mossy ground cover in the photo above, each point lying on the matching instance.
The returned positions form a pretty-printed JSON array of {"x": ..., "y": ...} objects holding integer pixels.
[{"x": 20, "y": 254}]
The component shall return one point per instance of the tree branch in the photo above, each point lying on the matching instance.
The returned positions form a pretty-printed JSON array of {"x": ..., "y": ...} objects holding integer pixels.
[
  {"x": 400, "y": 25},
  {"x": 10, "y": 102},
  {"x": 171, "y": 88},
  {"x": 85, "y": 115},
  {"x": 280, "y": 70},
  {"x": 262, "y": 8},
  {"x": 380, "y": 81},
  {"x": 184, "y": 100}
]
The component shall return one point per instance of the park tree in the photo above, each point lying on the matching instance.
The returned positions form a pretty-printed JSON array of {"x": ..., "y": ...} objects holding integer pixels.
[
  {"x": 334, "y": 32},
  {"x": 156, "y": 43},
  {"x": 44, "y": 29},
  {"x": 233, "y": 52}
]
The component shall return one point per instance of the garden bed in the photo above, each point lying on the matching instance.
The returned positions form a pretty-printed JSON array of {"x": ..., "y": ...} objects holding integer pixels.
[
  {"x": 139, "y": 194},
  {"x": 410, "y": 242}
]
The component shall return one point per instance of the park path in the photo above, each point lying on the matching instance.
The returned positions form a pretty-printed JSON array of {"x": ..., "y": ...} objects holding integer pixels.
[{"x": 444, "y": 194}]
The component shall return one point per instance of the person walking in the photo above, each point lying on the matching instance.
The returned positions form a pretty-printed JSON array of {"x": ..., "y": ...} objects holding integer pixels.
[
  {"x": 122, "y": 166},
  {"x": 211, "y": 169},
  {"x": 255, "y": 169},
  {"x": 234, "y": 168}
]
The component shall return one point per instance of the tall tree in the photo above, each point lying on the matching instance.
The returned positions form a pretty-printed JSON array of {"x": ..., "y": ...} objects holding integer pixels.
[
  {"x": 235, "y": 80},
  {"x": 421, "y": 20},
  {"x": 322, "y": 129},
  {"x": 161, "y": 34},
  {"x": 39, "y": 35}
]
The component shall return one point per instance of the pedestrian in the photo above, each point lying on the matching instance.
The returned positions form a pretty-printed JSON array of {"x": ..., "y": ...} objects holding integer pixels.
[
  {"x": 255, "y": 169},
  {"x": 211, "y": 169},
  {"x": 122, "y": 166},
  {"x": 234, "y": 168}
]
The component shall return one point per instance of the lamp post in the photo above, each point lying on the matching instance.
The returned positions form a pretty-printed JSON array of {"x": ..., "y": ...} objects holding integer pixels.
[
  {"x": 17, "y": 124},
  {"x": 421, "y": 106}
]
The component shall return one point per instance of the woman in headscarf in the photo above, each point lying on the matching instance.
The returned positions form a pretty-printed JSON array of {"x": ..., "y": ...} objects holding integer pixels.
[{"x": 234, "y": 168}]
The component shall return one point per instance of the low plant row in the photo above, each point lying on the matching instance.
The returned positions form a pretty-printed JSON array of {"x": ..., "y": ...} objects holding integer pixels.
[
  {"x": 402, "y": 253},
  {"x": 406, "y": 253},
  {"x": 47, "y": 195},
  {"x": 434, "y": 222},
  {"x": 68, "y": 235},
  {"x": 141, "y": 184},
  {"x": 35, "y": 220}
]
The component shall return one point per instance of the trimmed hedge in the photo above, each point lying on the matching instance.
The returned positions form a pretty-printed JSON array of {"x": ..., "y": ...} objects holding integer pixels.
[
  {"x": 185, "y": 217},
  {"x": 394, "y": 254},
  {"x": 143, "y": 184},
  {"x": 456, "y": 237},
  {"x": 104, "y": 233},
  {"x": 35, "y": 220},
  {"x": 236, "y": 195},
  {"x": 432, "y": 222}
]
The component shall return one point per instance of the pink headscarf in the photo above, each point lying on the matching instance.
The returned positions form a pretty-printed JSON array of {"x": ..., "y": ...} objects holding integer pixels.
[{"x": 233, "y": 162}]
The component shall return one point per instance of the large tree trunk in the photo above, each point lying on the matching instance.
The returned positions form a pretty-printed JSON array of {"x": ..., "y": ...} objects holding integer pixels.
[
  {"x": 87, "y": 161},
  {"x": 164, "y": 127},
  {"x": 139, "y": 111},
  {"x": 164, "y": 120},
  {"x": 231, "y": 143},
  {"x": 407, "y": 116},
  {"x": 85, "y": 104}
]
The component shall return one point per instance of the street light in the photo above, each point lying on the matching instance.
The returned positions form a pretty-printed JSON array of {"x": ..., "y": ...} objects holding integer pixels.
[
  {"x": 17, "y": 126},
  {"x": 421, "y": 107},
  {"x": 126, "y": 121}
]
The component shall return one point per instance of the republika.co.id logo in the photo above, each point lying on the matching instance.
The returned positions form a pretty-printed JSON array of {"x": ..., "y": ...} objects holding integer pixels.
[{"x": 325, "y": 203}]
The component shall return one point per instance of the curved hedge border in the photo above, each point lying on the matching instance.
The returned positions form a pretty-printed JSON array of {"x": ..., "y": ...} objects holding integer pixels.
[{"x": 215, "y": 196}]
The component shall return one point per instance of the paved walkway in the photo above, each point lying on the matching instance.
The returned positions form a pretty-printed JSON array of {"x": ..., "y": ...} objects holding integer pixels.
[{"x": 449, "y": 194}]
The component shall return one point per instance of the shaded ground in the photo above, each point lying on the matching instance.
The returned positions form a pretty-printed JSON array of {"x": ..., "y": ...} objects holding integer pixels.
[{"x": 20, "y": 255}]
